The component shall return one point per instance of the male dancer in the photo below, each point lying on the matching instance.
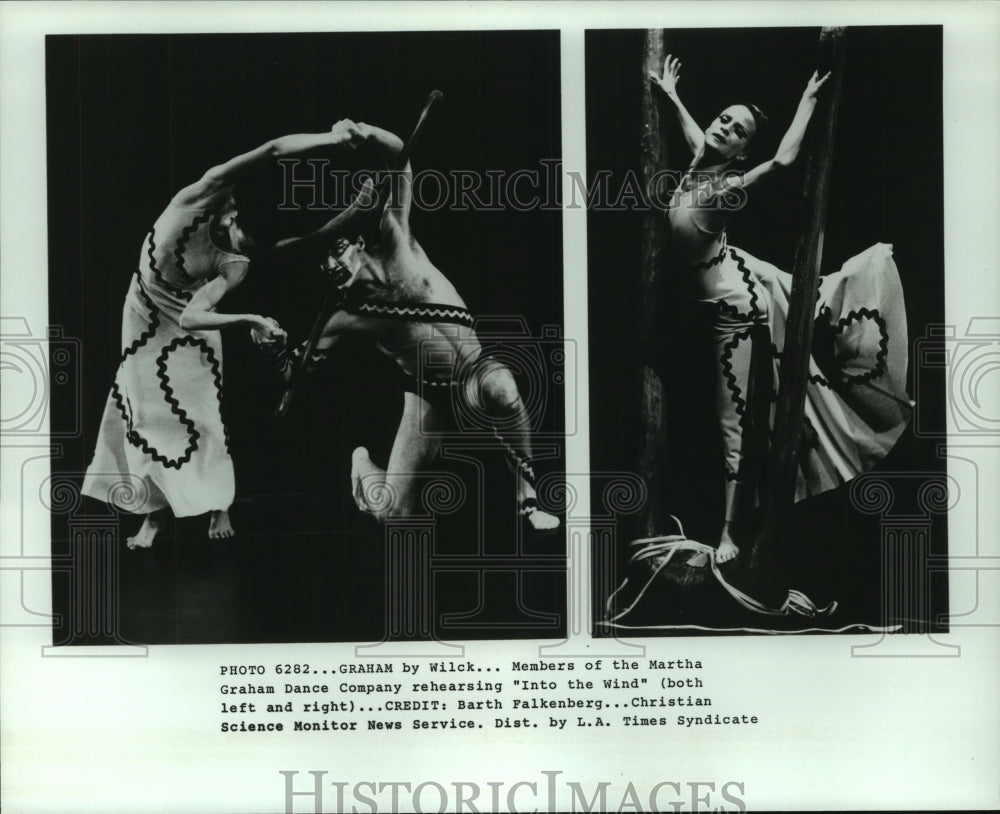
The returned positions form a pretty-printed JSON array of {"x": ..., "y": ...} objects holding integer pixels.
[{"x": 412, "y": 312}]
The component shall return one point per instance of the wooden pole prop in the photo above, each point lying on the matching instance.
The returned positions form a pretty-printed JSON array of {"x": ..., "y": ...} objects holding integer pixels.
[
  {"x": 653, "y": 158},
  {"x": 794, "y": 370}
]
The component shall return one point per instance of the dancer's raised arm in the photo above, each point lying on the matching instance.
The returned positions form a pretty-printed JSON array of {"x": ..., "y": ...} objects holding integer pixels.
[
  {"x": 219, "y": 178},
  {"x": 399, "y": 191},
  {"x": 390, "y": 145},
  {"x": 693, "y": 134},
  {"x": 791, "y": 143}
]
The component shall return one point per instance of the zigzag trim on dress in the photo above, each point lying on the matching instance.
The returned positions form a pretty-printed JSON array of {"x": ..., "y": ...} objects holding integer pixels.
[
  {"x": 883, "y": 345},
  {"x": 422, "y": 312},
  {"x": 739, "y": 402},
  {"x": 814, "y": 378},
  {"x": 704, "y": 265},
  {"x": 175, "y": 407},
  {"x": 748, "y": 279},
  {"x": 182, "y": 241},
  {"x": 730, "y": 377},
  {"x": 168, "y": 391},
  {"x": 726, "y": 309},
  {"x": 216, "y": 369},
  {"x": 131, "y": 435},
  {"x": 154, "y": 320},
  {"x": 753, "y": 316},
  {"x": 839, "y": 328},
  {"x": 158, "y": 275}
]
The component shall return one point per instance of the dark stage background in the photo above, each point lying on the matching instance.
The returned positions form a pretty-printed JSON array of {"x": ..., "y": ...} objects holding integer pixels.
[
  {"x": 132, "y": 119},
  {"x": 886, "y": 187}
]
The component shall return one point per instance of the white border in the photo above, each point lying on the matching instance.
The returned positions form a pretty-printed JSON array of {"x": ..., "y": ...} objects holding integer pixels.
[{"x": 136, "y": 735}]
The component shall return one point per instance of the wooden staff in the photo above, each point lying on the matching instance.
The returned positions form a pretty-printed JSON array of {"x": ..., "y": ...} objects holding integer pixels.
[
  {"x": 794, "y": 372},
  {"x": 650, "y": 418}
]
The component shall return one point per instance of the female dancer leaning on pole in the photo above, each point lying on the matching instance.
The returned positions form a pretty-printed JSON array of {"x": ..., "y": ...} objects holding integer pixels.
[{"x": 857, "y": 406}]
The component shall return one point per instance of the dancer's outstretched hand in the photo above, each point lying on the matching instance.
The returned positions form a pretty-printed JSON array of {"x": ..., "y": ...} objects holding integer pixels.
[
  {"x": 814, "y": 84},
  {"x": 671, "y": 74}
]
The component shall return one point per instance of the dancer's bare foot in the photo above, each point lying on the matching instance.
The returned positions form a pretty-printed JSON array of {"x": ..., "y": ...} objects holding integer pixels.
[
  {"x": 699, "y": 560},
  {"x": 727, "y": 550},
  {"x": 539, "y": 520},
  {"x": 144, "y": 537},
  {"x": 219, "y": 526},
  {"x": 361, "y": 463},
  {"x": 372, "y": 494}
]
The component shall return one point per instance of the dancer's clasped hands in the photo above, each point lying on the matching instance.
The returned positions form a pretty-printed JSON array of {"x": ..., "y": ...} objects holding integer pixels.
[
  {"x": 353, "y": 134},
  {"x": 267, "y": 332}
]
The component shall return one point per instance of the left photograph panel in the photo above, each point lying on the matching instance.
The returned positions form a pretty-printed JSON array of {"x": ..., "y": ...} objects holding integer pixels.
[{"x": 310, "y": 291}]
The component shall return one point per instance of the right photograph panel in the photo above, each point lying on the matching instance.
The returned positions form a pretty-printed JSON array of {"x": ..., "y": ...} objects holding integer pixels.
[{"x": 767, "y": 348}]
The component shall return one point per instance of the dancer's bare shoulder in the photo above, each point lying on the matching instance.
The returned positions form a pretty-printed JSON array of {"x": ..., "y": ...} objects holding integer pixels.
[{"x": 410, "y": 276}]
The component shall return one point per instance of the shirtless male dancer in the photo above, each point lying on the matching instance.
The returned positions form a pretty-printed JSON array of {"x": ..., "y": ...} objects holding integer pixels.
[{"x": 399, "y": 298}]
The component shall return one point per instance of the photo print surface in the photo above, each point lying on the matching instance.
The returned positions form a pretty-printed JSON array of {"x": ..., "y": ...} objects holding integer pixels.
[
  {"x": 766, "y": 278},
  {"x": 332, "y": 223}
]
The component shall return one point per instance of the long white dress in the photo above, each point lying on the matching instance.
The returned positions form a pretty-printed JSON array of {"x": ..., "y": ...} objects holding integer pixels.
[
  {"x": 162, "y": 441},
  {"x": 856, "y": 409}
]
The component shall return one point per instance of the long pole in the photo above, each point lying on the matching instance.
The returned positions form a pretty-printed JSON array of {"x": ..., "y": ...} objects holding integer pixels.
[
  {"x": 650, "y": 418},
  {"x": 794, "y": 370}
]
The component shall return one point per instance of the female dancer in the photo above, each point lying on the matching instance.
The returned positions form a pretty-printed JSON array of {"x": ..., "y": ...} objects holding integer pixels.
[
  {"x": 854, "y": 412},
  {"x": 162, "y": 441}
]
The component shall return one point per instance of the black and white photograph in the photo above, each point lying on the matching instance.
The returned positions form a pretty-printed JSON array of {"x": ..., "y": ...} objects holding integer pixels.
[
  {"x": 334, "y": 391},
  {"x": 766, "y": 256},
  {"x": 499, "y": 407}
]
